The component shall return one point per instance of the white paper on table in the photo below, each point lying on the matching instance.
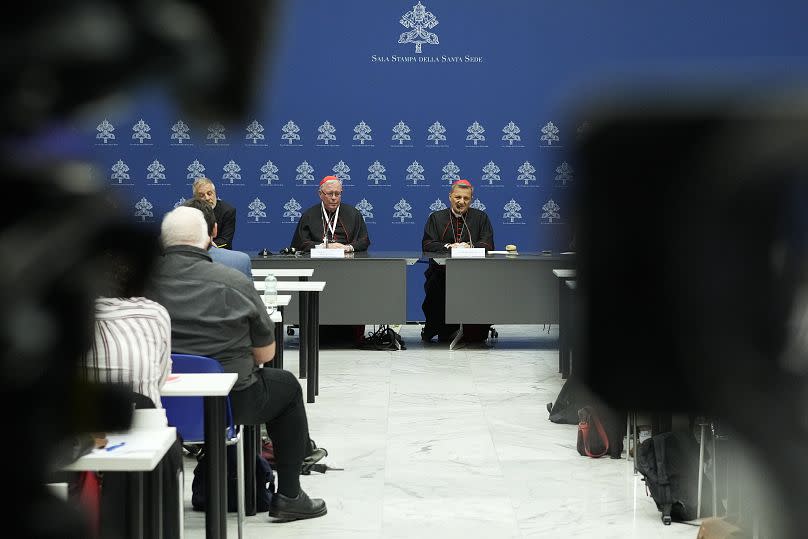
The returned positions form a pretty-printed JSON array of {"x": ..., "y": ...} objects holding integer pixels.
[
  {"x": 468, "y": 252},
  {"x": 327, "y": 253},
  {"x": 502, "y": 253}
]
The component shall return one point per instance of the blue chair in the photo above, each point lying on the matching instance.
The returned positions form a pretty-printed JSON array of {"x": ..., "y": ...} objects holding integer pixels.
[{"x": 188, "y": 416}]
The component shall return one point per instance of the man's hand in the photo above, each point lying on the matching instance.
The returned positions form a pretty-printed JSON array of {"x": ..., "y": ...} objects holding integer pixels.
[
  {"x": 336, "y": 246},
  {"x": 462, "y": 245},
  {"x": 99, "y": 439},
  {"x": 263, "y": 354}
]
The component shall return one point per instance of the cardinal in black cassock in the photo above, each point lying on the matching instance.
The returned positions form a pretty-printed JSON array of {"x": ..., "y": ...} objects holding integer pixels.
[
  {"x": 334, "y": 225},
  {"x": 331, "y": 223},
  {"x": 459, "y": 225}
]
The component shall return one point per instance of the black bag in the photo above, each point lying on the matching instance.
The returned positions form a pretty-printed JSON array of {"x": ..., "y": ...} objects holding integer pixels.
[
  {"x": 669, "y": 465},
  {"x": 572, "y": 397},
  {"x": 593, "y": 441},
  {"x": 264, "y": 482}
]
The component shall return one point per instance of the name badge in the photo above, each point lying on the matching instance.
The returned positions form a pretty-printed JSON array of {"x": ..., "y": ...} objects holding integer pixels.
[
  {"x": 327, "y": 253},
  {"x": 468, "y": 252}
]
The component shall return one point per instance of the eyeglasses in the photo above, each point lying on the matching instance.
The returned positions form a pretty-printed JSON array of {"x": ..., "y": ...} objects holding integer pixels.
[{"x": 332, "y": 195}]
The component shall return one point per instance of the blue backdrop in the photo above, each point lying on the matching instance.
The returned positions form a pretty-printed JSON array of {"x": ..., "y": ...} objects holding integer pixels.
[{"x": 399, "y": 98}]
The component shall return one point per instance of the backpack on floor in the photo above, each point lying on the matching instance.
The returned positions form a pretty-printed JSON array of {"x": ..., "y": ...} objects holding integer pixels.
[
  {"x": 264, "y": 482},
  {"x": 669, "y": 465}
]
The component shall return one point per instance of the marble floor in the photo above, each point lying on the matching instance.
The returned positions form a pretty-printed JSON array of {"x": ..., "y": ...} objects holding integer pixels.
[{"x": 438, "y": 443}]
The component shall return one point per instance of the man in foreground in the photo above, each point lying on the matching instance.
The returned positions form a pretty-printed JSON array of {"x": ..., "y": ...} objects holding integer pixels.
[{"x": 216, "y": 312}]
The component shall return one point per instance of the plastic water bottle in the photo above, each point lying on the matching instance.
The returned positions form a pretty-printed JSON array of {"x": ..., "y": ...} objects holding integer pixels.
[{"x": 270, "y": 292}]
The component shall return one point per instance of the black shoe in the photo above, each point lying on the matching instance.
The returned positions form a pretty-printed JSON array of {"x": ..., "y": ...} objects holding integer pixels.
[
  {"x": 285, "y": 508},
  {"x": 427, "y": 335}
]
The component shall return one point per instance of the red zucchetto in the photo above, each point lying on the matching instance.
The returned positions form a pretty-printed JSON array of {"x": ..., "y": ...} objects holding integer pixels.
[{"x": 330, "y": 179}]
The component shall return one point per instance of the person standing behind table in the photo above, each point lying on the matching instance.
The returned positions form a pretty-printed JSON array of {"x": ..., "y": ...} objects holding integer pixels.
[
  {"x": 225, "y": 213},
  {"x": 337, "y": 225},
  {"x": 216, "y": 312},
  {"x": 459, "y": 225},
  {"x": 235, "y": 259}
]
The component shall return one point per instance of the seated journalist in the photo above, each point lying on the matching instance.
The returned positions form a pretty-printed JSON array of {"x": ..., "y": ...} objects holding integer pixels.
[
  {"x": 459, "y": 225},
  {"x": 131, "y": 345},
  {"x": 235, "y": 259},
  {"x": 216, "y": 312}
]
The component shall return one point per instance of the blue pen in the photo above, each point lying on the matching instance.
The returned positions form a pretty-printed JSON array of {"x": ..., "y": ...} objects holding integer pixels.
[{"x": 116, "y": 446}]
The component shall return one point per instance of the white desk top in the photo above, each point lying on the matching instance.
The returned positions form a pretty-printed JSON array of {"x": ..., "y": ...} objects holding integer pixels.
[
  {"x": 209, "y": 384},
  {"x": 282, "y": 301},
  {"x": 142, "y": 450},
  {"x": 301, "y": 286},
  {"x": 564, "y": 273},
  {"x": 294, "y": 286},
  {"x": 286, "y": 272}
]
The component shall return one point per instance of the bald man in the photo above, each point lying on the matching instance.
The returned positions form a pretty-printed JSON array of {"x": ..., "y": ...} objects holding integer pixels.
[
  {"x": 331, "y": 223},
  {"x": 216, "y": 312}
]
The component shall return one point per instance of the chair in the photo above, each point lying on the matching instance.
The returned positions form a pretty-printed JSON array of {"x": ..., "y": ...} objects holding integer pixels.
[{"x": 187, "y": 415}]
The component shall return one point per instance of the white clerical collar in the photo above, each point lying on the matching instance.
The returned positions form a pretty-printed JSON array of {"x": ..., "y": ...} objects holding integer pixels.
[{"x": 458, "y": 215}]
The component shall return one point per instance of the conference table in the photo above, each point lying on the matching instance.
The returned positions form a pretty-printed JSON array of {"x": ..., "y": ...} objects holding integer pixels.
[
  {"x": 496, "y": 289},
  {"x": 503, "y": 289},
  {"x": 378, "y": 278}
]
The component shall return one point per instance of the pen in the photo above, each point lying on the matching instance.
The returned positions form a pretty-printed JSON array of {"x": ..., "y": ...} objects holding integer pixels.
[{"x": 116, "y": 446}]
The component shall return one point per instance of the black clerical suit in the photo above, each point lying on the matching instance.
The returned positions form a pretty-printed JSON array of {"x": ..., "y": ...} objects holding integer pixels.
[
  {"x": 443, "y": 228},
  {"x": 226, "y": 221},
  {"x": 350, "y": 229}
]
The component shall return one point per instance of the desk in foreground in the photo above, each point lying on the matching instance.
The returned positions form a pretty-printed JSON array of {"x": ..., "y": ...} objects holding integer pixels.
[
  {"x": 214, "y": 387},
  {"x": 143, "y": 449},
  {"x": 139, "y": 456}
]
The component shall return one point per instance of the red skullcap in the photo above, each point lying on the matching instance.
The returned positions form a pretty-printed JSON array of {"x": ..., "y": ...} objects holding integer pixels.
[
  {"x": 330, "y": 179},
  {"x": 462, "y": 182}
]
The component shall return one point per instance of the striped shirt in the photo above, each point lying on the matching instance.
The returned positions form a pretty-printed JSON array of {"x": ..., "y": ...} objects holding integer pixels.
[{"x": 131, "y": 346}]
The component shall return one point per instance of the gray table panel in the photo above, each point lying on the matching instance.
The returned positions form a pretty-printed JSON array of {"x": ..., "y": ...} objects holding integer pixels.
[
  {"x": 361, "y": 290},
  {"x": 519, "y": 290}
]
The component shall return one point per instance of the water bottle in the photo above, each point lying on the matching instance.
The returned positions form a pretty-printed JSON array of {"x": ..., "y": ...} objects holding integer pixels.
[{"x": 270, "y": 292}]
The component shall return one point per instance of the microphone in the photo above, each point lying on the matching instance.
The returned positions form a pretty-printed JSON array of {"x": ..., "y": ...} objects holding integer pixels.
[{"x": 471, "y": 242}]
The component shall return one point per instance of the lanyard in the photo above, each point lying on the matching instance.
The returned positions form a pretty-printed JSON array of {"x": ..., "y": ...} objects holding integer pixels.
[{"x": 332, "y": 226}]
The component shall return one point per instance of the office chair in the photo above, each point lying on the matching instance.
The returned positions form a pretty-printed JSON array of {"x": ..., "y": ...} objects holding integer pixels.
[{"x": 187, "y": 415}]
